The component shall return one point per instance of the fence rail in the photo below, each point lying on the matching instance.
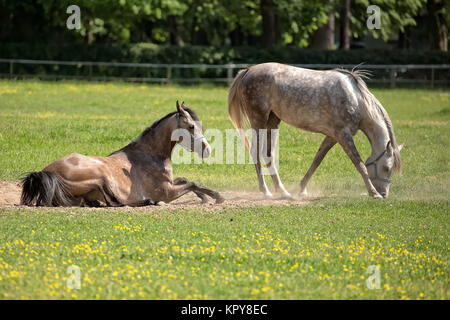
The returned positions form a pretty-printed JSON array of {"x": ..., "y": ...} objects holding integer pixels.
[{"x": 392, "y": 74}]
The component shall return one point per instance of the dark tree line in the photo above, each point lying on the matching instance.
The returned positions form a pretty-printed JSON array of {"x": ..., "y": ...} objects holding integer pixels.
[{"x": 266, "y": 23}]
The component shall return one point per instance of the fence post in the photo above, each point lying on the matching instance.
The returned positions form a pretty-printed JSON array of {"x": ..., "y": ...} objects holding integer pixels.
[
  {"x": 229, "y": 73},
  {"x": 432, "y": 77},
  {"x": 168, "y": 74},
  {"x": 392, "y": 74},
  {"x": 11, "y": 69},
  {"x": 90, "y": 70}
]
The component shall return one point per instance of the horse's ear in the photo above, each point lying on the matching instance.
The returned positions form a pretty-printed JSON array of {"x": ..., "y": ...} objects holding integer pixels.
[
  {"x": 182, "y": 105},
  {"x": 179, "y": 108},
  {"x": 400, "y": 147},
  {"x": 389, "y": 149}
]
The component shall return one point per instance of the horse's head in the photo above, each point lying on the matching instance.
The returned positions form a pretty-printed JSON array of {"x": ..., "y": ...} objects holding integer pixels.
[
  {"x": 189, "y": 132},
  {"x": 381, "y": 168}
]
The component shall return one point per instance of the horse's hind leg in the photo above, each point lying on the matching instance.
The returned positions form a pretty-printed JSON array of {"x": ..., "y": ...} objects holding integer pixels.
[
  {"x": 112, "y": 201},
  {"x": 259, "y": 120},
  {"x": 326, "y": 145},
  {"x": 93, "y": 198},
  {"x": 256, "y": 153},
  {"x": 93, "y": 204},
  {"x": 109, "y": 198},
  {"x": 268, "y": 153}
]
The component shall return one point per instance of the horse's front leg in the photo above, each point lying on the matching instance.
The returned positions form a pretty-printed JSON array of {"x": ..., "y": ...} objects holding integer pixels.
[
  {"x": 174, "y": 191},
  {"x": 180, "y": 181},
  {"x": 346, "y": 141},
  {"x": 326, "y": 145},
  {"x": 198, "y": 188}
]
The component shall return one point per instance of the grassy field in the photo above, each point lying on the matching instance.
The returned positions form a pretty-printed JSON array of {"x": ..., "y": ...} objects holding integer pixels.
[{"x": 321, "y": 250}]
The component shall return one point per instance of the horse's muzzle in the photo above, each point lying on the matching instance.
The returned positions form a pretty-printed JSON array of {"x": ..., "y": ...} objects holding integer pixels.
[{"x": 206, "y": 151}]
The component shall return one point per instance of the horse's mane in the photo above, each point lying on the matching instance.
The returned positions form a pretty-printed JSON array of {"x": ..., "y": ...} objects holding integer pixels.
[
  {"x": 374, "y": 109},
  {"x": 151, "y": 129}
]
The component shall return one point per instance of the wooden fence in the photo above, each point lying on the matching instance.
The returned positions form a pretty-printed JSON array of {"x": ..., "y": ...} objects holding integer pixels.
[{"x": 389, "y": 74}]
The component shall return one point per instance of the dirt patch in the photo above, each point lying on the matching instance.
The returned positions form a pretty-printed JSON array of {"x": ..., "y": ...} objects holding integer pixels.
[
  {"x": 10, "y": 198},
  {"x": 9, "y": 193}
]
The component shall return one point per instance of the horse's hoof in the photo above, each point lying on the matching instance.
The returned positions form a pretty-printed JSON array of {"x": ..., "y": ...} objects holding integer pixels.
[
  {"x": 204, "y": 199},
  {"x": 268, "y": 194},
  {"x": 286, "y": 196},
  {"x": 220, "y": 200},
  {"x": 377, "y": 196},
  {"x": 303, "y": 193}
]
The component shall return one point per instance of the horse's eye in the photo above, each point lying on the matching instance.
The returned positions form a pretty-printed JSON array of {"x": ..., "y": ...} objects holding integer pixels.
[
  {"x": 386, "y": 168},
  {"x": 191, "y": 127}
]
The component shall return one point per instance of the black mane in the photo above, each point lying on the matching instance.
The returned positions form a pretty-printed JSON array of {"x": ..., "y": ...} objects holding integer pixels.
[
  {"x": 157, "y": 122},
  {"x": 150, "y": 129}
]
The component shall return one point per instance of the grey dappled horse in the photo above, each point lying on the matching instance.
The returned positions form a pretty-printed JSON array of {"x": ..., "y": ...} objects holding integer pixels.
[{"x": 335, "y": 103}]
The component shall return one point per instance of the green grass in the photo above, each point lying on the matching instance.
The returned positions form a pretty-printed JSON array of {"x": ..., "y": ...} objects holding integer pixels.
[
  {"x": 43, "y": 121},
  {"x": 320, "y": 250}
]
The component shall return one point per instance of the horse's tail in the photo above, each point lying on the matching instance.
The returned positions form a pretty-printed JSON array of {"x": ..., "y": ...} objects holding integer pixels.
[
  {"x": 47, "y": 188},
  {"x": 236, "y": 108}
]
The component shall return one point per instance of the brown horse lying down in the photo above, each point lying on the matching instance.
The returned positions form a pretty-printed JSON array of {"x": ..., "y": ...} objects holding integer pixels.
[{"x": 137, "y": 175}]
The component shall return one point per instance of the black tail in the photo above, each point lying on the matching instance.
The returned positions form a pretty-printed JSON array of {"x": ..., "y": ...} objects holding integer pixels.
[{"x": 46, "y": 188}]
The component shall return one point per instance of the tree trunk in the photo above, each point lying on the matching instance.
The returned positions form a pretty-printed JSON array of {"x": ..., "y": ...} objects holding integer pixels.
[
  {"x": 201, "y": 38},
  {"x": 437, "y": 26},
  {"x": 404, "y": 39},
  {"x": 236, "y": 37},
  {"x": 345, "y": 26},
  {"x": 90, "y": 37},
  {"x": 323, "y": 38},
  {"x": 175, "y": 33},
  {"x": 270, "y": 24}
]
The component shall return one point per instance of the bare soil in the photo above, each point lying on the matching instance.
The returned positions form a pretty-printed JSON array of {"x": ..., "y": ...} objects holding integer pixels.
[
  {"x": 10, "y": 198},
  {"x": 9, "y": 193}
]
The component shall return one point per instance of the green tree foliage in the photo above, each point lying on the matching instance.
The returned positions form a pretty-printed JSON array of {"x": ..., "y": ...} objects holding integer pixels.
[
  {"x": 198, "y": 22},
  {"x": 396, "y": 15}
]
